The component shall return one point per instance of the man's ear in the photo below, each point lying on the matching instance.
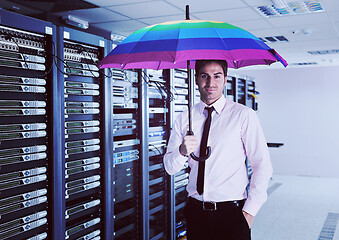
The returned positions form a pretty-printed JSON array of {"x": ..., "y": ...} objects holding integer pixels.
[{"x": 225, "y": 80}]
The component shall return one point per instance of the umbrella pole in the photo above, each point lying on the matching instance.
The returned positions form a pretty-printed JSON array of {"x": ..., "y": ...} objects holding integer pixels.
[
  {"x": 189, "y": 79},
  {"x": 190, "y": 93}
]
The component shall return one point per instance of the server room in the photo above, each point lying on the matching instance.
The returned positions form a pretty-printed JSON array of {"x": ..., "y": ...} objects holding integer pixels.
[{"x": 102, "y": 115}]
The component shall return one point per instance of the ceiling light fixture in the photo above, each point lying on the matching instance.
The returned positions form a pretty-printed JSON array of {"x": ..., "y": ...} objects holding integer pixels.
[
  {"x": 290, "y": 7},
  {"x": 324, "y": 52},
  {"x": 279, "y": 3},
  {"x": 75, "y": 21},
  {"x": 117, "y": 37},
  {"x": 307, "y": 31}
]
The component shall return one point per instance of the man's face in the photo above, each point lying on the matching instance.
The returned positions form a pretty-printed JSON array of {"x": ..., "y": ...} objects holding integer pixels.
[{"x": 211, "y": 81}]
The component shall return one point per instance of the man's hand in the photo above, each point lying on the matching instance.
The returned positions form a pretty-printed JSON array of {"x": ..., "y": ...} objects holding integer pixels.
[
  {"x": 189, "y": 144},
  {"x": 249, "y": 218}
]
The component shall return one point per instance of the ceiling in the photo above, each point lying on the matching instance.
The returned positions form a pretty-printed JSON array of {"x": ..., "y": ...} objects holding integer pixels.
[{"x": 318, "y": 31}]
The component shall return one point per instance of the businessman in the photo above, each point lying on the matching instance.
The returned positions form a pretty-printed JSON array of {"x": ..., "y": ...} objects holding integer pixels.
[{"x": 219, "y": 205}]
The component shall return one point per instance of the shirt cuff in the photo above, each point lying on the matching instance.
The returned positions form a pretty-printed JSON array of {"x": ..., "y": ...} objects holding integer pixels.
[{"x": 251, "y": 207}]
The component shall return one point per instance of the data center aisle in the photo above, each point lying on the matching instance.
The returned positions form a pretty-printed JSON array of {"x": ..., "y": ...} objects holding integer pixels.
[{"x": 299, "y": 208}]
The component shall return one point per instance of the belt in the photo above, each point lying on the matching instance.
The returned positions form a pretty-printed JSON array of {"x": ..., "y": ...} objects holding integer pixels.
[{"x": 213, "y": 206}]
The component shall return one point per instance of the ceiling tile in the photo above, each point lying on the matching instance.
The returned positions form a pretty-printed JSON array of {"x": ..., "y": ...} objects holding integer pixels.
[
  {"x": 96, "y": 15},
  {"x": 315, "y": 32},
  {"x": 127, "y": 33},
  {"x": 330, "y": 5},
  {"x": 336, "y": 25},
  {"x": 325, "y": 44},
  {"x": 121, "y": 26},
  {"x": 266, "y": 32},
  {"x": 156, "y": 20},
  {"x": 19, "y": 8},
  {"x": 254, "y": 3},
  {"x": 300, "y": 50},
  {"x": 146, "y": 9},
  {"x": 233, "y": 15},
  {"x": 299, "y": 20},
  {"x": 328, "y": 44},
  {"x": 105, "y": 3},
  {"x": 203, "y": 5},
  {"x": 334, "y": 15},
  {"x": 252, "y": 24}
]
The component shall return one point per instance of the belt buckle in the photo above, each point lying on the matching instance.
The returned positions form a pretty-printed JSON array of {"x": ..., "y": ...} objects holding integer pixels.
[{"x": 209, "y": 206}]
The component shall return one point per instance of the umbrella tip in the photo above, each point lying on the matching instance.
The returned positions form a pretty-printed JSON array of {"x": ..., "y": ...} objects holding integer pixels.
[{"x": 187, "y": 12}]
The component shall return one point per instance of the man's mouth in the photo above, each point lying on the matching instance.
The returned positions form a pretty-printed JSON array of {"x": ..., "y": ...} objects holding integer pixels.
[{"x": 210, "y": 89}]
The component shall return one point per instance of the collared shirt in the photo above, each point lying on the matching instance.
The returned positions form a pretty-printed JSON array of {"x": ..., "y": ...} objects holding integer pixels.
[{"x": 234, "y": 134}]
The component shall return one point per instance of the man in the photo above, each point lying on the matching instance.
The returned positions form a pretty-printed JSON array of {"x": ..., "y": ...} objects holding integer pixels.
[{"x": 218, "y": 206}]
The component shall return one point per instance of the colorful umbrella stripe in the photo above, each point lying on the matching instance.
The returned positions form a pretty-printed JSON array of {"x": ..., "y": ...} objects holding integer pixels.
[{"x": 171, "y": 44}]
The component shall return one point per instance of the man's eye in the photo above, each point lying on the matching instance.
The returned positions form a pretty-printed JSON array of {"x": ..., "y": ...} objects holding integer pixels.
[{"x": 203, "y": 76}]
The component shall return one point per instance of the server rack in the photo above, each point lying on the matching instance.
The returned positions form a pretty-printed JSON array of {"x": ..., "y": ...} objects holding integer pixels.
[
  {"x": 127, "y": 184},
  {"x": 252, "y": 93},
  {"x": 242, "y": 89},
  {"x": 239, "y": 88},
  {"x": 159, "y": 97},
  {"x": 230, "y": 88},
  {"x": 85, "y": 132},
  {"x": 144, "y": 156},
  {"x": 179, "y": 83},
  {"x": 26, "y": 133}
]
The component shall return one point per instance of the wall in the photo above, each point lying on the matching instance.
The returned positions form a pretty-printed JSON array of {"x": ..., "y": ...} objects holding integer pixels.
[{"x": 300, "y": 108}]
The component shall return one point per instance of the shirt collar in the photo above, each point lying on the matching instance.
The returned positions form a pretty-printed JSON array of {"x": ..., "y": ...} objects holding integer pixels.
[{"x": 218, "y": 105}]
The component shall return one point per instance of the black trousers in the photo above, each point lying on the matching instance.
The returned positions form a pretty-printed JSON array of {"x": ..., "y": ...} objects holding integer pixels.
[{"x": 226, "y": 223}]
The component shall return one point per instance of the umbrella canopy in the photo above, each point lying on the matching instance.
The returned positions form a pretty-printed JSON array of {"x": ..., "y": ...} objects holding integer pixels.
[{"x": 172, "y": 44}]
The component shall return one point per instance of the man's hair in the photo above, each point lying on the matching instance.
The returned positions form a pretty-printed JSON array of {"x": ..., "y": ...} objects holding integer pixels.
[{"x": 201, "y": 63}]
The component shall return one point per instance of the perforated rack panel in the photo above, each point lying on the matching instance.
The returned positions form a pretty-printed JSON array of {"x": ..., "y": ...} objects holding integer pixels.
[
  {"x": 158, "y": 181},
  {"x": 83, "y": 139},
  {"x": 180, "y": 84},
  {"x": 25, "y": 63},
  {"x": 126, "y": 150}
]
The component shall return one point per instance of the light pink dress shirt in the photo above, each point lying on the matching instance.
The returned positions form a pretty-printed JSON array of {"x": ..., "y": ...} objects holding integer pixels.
[{"x": 234, "y": 134}]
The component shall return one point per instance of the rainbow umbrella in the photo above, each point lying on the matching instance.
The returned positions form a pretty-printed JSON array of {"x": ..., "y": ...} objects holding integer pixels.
[
  {"x": 171, "y": 44},
  {"x": 177, "y": 44}
]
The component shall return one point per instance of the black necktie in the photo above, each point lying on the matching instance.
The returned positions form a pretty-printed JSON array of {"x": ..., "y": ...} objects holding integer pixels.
[{"x": 203, "y": 146}]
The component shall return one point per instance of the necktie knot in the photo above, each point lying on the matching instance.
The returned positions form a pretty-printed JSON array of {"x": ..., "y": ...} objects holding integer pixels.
[{"x": 209, "y": 110}]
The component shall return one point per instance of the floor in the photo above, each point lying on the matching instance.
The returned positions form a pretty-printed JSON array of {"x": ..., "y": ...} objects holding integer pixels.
[{"x": 299, "y": 208}]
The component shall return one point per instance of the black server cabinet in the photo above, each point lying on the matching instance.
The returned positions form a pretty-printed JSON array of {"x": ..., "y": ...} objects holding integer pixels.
[
  {"x": 252, "y": 95},
  {"x": 229, "y": 92},
  {"x": 179, "y": 83},
  {"x": 241, "y": 91},
  {"x": 159, "y": 96},
  {"x": 26, "y": 120},
  {"x": 85, "y": 132},
  {"x": 126, "y": 138}
]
